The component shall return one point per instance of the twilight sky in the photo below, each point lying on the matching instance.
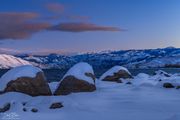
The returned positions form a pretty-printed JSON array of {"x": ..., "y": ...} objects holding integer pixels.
[{"x": 88, "y": 25}]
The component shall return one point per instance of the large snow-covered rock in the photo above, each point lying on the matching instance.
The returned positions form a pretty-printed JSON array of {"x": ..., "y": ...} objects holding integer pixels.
[
  {"x": 9, "y": 61},
  {"x": 80, "y": 78},
  {"x": 115, "y": 73},
  {"x": 25, "y": 79}
]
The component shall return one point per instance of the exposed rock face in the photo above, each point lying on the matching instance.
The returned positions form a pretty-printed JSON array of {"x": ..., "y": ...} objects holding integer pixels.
[
  {"x": 56, "y": 105},
  {"x": 32, "y": 86},
  {"x": 71, "y": 84},
  {"x": 5, "y": 108},
  {"x": 116, "y": 76},
  {"x": 168, "y": 85}
]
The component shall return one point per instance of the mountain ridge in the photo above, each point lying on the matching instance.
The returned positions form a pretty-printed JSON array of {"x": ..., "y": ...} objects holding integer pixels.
[{"x": 147, "y": 58}]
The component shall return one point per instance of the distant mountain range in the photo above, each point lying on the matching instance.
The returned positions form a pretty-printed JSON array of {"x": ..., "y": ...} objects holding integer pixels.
[{"x": 149, "y": 58}]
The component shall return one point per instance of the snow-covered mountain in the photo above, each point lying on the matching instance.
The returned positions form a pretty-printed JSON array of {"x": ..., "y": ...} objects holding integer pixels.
[
  {"x": 149, "y": 58},
  {"x": 8, "y": 61}
]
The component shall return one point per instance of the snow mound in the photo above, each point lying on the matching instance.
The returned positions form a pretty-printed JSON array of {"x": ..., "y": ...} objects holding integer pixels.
[
  {"x": 53, "y": 86},
  {"x": 20, "y": 71},
  {"x": 113, "y": 70},
  {"x": 79, "y": 70},
  {"x": 9, "y": 61},
  {"x": 143, "y": 79},
  {"x": 142, "y": 76}
]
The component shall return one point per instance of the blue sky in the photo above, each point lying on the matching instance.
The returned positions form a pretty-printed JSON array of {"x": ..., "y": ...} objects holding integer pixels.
[{"x": 99, "y": 24}]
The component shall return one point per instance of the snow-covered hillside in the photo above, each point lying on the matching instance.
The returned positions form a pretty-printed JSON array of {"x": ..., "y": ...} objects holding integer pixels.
[
  {"x": 9, "y": 61},
  {"x": 150, "y": 58}
]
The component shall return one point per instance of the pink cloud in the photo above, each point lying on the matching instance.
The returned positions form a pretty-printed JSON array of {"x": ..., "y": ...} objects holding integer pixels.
[
  {"x": 19, "y": 25},
  {"x": 22, "y": 25}
]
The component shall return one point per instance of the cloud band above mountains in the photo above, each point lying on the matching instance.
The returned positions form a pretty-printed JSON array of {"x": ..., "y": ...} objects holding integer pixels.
[{"x": 21, "y": 25}]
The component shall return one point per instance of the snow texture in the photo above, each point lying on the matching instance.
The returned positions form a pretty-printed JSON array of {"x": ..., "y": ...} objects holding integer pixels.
[
  {"x": 111, "y": 101},
  {"x": 20, "y": 71},
  {"x": 53, "y": 86},
  {"x": 144, "y": 99}
]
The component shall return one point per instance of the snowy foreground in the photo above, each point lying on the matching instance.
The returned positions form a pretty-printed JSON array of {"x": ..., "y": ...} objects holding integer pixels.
[{"x": 144, "y": 99}]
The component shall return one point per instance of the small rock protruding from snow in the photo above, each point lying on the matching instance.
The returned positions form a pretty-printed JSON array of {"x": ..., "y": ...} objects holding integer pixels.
[
  {"x": 115, "y": 73},
  {"x": 80, "y": 78},
  {"x": 56, "y": 105},
  {"x": 168, "y": 85},
  {"x": 25, "y": 79},
  {"x": 5, "y": 108}
]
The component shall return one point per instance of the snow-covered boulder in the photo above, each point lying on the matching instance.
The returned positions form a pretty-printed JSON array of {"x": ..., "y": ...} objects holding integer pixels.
[
  {"x": 25, "y": 79},
  {"x": 115, "y": 73},
  {"x": 80, "y": 78},
  {"x": 9, "y": 61}
]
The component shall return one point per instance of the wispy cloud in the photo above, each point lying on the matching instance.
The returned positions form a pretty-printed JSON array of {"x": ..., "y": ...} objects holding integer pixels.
[{"x": 82, "y": 27}]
